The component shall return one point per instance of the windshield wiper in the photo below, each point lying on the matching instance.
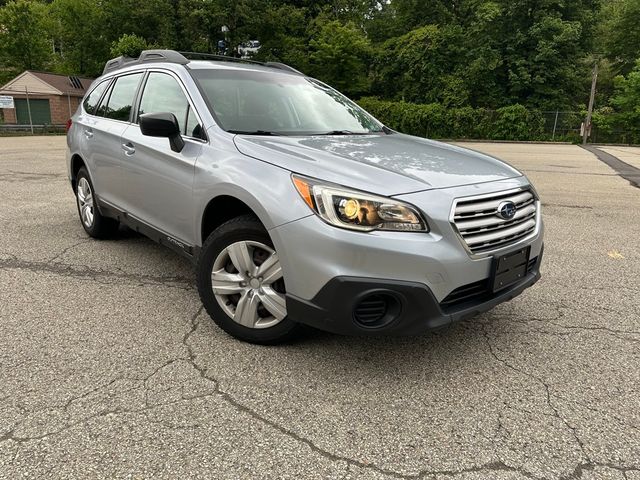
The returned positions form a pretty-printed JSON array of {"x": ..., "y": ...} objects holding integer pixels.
[
  {"x": 345, "y": 132},
  {"x": 254, "y": 132}
]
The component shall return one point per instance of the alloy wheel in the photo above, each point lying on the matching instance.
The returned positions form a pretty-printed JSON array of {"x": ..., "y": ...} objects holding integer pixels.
[
  {"x": 248, "y": 285},
  {"x": 85, "y": 202}
]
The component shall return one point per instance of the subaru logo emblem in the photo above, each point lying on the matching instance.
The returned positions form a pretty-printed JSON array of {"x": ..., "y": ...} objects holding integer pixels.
[{"x": 507, "y": 210}]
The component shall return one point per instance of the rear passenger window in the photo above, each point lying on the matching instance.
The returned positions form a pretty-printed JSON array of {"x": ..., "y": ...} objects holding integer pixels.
[
  {"x": 162, "y": 93},
  {"x": 91, "y": 100},
  {"x": 120, "y": 100}
]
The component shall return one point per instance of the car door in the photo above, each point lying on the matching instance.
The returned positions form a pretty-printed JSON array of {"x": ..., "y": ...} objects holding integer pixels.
[
  {"x": 85, "y": 121},
  {"x": 103, "y": 132},
  {"x": 158, "y": 182}
]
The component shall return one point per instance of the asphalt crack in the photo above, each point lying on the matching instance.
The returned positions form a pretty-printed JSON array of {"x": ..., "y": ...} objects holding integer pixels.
[
  {"x": 191, "y": 358},
  {"x": 624, "y": 335},
  {"x": 15, "y": 176},
  {"x": 98, "y": 275},
  {"x": 228, "y": 398},
  {"x": 67, "y": 249},
  {"x": 560, "y": 205},
  {"x": 582, "y": 467},
  {"x": 547, "y": 390}
]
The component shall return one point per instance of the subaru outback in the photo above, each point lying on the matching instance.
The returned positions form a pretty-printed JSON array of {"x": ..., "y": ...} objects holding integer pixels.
[{"x": 295, "y": 205}]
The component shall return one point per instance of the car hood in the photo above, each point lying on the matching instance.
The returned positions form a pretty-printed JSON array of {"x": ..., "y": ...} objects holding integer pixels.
[{"x": 391, "y": 164}]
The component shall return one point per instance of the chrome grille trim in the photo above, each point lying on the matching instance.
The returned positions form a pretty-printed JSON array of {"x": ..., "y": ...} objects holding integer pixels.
[{"x": 482, "y": 231}]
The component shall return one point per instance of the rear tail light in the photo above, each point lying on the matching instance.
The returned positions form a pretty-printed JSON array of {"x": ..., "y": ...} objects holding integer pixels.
[{"x": 68, "y": 126}]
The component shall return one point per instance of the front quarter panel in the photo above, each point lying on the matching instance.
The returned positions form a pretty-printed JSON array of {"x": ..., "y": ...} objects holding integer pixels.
[{"x": 265, "y": 188}]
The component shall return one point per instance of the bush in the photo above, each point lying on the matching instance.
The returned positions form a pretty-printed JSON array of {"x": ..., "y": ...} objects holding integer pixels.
[
  {"x": 433, "y": 120},
  {"x": 517, "y": 122}
]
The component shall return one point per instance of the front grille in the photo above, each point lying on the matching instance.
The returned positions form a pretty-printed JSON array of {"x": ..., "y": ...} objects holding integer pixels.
[
  {"x": 475, "y": 292},
  {"x": 470, "y": 291},
  {"x": 482, "y": 229}
]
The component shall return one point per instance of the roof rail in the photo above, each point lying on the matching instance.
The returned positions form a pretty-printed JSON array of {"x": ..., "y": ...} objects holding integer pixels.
[
  {"x": 182, "y": 58},
  {"x": 219, "y": 58},
  {"x": 224, "y": 58},
  {"x": 147, "y": 56},
  {"x": 282, "y": 66}
]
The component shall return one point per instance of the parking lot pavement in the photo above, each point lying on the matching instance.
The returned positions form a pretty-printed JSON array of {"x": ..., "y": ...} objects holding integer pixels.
[
  {"x": 630, "y": 155},
  {"x": 109, "y": 368}
]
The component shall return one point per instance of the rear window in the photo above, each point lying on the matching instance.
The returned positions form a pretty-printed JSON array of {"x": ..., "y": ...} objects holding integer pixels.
[
  {"x": 120, "y": 101},
  {"x": 91, "y": 101}
]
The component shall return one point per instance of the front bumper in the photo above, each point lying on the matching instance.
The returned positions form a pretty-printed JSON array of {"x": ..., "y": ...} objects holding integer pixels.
[
  {"x": 417, "y": 311},
  {"x": 312, "y": 253},
  {"x": 327, "y": 268}
]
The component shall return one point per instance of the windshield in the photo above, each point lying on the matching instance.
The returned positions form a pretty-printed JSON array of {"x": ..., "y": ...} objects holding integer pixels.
[{"x": 280, "y": 104}]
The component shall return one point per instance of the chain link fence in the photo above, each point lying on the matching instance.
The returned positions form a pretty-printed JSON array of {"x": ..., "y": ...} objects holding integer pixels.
[
  {"x": 559, "y": 126},
  {"x": 567, "y": 126}
]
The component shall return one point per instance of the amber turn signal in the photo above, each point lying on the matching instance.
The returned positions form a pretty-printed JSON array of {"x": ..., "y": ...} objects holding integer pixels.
[{"x": 304, "y": 190}]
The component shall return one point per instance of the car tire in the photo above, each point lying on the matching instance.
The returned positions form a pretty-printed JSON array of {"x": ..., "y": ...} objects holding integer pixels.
[
  {"x": 93, "y": 222},
  {"x": 240, "y": 283}
]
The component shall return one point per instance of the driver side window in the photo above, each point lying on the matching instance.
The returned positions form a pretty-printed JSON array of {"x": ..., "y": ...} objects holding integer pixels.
[{"x": 162, "y": 93}]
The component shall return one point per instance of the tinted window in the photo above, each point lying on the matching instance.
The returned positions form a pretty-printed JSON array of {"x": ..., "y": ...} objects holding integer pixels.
[
  {"x": 162, "y": 93},
  {"x": 92, "y": 99},
  {"x": 193, "y": 127},
  {"x": 121, "y": 97},
  {"x": 248, "y": 101},
  {"x": 102, "y": 107}
]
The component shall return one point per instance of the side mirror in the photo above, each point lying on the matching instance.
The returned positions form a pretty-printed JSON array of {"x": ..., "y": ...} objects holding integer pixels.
[{"x": 162, "y": 124}]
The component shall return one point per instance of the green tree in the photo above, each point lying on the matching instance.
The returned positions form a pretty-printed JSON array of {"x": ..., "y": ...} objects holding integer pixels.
[
  {"x": 201, "y": 22},
  {"x": 338, "y": 55},
  {"x": 129, "y": 46},
  {"x": 153, "y": 20},
  {"x": 81, "y": 46},
  {"x": 282, "y": 30},
  {"x": 420, "y": 66},
  {"x": 23, "y": 45},
  {"x": 541, "y": 44},
  {"x": 620, "y": 34},
  {"x": 626, "y": 101}
]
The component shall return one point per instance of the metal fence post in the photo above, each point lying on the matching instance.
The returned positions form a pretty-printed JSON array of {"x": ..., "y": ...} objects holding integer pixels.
[
  {"x": 26, "y": 91},
  {"x": 555, "y": 124}
]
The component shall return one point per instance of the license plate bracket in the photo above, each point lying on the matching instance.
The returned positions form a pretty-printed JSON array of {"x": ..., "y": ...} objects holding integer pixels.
[{"x": 509, "y": 268}]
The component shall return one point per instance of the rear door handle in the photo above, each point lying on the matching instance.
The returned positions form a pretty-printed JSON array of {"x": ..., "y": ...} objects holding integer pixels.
[
  {"x": 88, "y": 132},
  {"x": 128, "y": 148}
]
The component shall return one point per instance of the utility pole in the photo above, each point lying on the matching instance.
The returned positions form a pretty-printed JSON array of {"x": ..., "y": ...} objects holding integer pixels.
[
  {"x": 587, "y": 124},
  {"x": 26, "y": 91}
]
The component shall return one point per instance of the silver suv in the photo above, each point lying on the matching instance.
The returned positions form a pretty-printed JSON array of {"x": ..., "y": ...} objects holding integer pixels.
[{"x": 297, "y": 206}]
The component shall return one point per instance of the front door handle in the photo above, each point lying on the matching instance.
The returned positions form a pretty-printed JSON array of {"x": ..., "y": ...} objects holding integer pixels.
[
  {"x": 88, "y": 132},
  {"x": 128, "y": 148}
]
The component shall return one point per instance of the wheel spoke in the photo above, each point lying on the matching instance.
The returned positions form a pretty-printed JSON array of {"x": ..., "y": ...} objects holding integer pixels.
[
  {"x": 241, "y": 257},
  {"x": 247, "y": 310},
  {"x": 274, "y": 302},
  {"x": 270, "y": 270},
  {"x": 88, "y": 199},
  {"x": 225, "y": 283}
]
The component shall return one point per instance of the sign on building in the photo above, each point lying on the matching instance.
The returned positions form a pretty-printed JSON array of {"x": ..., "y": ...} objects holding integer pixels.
[{"x": 6, "y": 101}]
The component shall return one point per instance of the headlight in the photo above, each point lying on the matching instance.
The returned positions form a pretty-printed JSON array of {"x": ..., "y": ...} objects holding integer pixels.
[{"x": 357, "y": 210}]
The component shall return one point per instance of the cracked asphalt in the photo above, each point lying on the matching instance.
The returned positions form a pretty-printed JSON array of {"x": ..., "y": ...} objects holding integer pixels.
[{"x": 110, "y": 369}]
